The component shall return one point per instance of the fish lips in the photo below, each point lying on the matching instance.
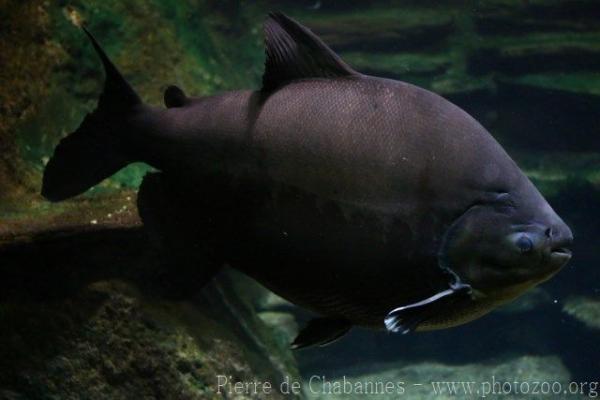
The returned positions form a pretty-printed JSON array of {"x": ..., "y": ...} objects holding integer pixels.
[
  {"x": 560, "y": 252},
  {"x": 561, "y": 255}
]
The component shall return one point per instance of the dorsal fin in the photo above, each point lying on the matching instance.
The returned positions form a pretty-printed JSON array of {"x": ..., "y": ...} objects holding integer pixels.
[{"x": 294, "y": 52}]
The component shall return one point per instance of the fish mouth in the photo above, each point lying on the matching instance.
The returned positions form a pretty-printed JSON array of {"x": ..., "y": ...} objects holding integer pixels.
[
  {"x": 560, "y": 253},
  {"x": 560, "y": 249}
]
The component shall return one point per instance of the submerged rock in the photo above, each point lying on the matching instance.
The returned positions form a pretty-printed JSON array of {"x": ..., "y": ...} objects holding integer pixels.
[
  {"x": 283, "y": 323},
  {"x": 514, "y": 378},
  {"x": 85, "y": 312},
  {"x": 584, "y": 309},
  {"x": 383, "y": 30},
  {"x": 111, "y": 341}
]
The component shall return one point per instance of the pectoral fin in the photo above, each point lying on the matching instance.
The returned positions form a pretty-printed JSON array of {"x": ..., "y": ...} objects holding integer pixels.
[
  {"x": 321, "y": 332},
  {"x": 406, "y": 318}
]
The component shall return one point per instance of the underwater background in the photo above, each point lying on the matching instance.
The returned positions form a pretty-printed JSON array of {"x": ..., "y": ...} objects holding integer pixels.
[{"x": 89, "y": 309}]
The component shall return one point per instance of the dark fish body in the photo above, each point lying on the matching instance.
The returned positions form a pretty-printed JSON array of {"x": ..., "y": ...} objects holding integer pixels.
[
  {"x": 353, "y": 195},
  {"x": 362, "y": 167}
]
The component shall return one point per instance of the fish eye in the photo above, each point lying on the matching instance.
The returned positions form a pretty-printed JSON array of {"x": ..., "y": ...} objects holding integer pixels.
[{"x": 525, "y": 244}]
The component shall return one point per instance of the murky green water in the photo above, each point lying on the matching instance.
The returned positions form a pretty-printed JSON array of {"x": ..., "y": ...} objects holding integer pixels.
[{"x": 529, "y": 71}]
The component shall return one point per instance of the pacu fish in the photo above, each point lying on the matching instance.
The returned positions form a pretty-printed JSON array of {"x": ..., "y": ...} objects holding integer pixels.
[{"x": 369, "y": 201}]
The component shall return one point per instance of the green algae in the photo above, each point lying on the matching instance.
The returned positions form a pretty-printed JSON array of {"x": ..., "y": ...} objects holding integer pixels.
[
  {"x": 186, "y": 47},
  {"x": 398, "y": 63},
  {"x": 400, "y": 16},
  {"x": 573, "y": 82},
  {"x": 206, "y": 49},
  {"x": 556, "y": 171}
]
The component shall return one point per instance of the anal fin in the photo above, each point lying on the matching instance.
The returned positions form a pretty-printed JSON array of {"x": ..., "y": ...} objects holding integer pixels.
[
  {"x": 321, "y": 332},
  {"x": 177, "y": 228}
]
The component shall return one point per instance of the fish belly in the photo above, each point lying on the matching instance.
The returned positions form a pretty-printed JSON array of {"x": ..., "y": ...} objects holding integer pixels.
[{"x": 332, "y": 258}]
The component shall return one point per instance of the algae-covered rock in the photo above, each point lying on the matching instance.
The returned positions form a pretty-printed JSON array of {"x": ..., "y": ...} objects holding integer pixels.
[
  {"x": 109, "y": 340},
  {"x": 53, "y": 78},
  {"x": 396, "y": 30},
  {"x": 507, "y": 62},
  {"x": 87, "y": 311},
  {"x": 27, "y": 60},
  {"x": 515, "y": 378},
  {"x": 584, "y": 309}
]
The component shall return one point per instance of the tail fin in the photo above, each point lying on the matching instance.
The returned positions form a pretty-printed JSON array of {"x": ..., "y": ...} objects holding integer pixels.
[{"x": 97, "y": 149}]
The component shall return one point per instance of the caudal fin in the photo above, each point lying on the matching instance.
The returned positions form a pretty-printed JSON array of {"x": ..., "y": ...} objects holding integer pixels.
[{"x": 97, "y": 149}]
